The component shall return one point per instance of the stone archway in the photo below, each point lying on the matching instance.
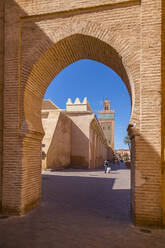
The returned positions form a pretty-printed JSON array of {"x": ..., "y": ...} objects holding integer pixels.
[
  {"x": 121, "y": 34},
  {"x": 73, "y": 48},
  {"x": 76, "y": 46},
  {"x": 87, "y": 40}
]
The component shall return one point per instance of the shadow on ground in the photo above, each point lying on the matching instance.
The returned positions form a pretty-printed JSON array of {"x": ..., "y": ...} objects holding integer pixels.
[
  {"x": 86, "y": 195},
  {"x": 78, "y": 212}
]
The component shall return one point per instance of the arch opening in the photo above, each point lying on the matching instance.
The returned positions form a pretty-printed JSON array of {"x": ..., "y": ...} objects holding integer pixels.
[
  {"x": 96, "y": 149},
  {"x": 57, "y": 57},
  {"x": 88, "y": 82}
]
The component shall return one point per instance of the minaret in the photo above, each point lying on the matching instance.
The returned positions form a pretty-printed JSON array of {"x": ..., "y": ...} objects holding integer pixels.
[{"x": 107, "y": 119}]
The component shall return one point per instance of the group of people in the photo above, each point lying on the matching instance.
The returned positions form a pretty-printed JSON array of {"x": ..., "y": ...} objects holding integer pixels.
[{"x": 107, "y": 166}]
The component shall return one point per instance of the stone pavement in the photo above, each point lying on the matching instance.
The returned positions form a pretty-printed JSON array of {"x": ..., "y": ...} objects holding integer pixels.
[{"x": 80, "y": 209}]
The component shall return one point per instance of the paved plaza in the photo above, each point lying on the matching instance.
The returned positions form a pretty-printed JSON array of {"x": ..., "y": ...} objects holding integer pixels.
[{"x": 80, "y": 209}]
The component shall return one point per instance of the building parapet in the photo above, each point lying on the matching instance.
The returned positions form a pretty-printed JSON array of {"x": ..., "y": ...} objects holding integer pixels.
[{"x": 78, "y": 106}]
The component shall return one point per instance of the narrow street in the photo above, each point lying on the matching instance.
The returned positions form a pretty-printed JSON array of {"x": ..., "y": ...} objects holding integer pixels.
[{"x": 80, "y": 209}]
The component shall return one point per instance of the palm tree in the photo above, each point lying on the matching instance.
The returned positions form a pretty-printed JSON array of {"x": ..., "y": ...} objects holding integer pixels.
[{"x": 127, "y": 141}]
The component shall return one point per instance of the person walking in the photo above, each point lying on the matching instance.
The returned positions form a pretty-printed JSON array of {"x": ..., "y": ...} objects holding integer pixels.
[
  {"x": 105, "y": 166},
  {"x": 108, "y": 167}
]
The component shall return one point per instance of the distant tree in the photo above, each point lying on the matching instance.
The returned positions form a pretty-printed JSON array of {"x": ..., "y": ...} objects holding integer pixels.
[{"x": 127, "y": 141}]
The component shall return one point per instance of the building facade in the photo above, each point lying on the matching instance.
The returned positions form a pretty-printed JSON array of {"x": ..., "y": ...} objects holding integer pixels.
[
  {"x": 73, "y": 137},
  {"x": 122, "y": 153},
  {"x": 107, "y": 122}
]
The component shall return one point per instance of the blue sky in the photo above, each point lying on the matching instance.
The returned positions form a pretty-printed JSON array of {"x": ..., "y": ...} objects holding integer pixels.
[{"x": 91, "y": 79}]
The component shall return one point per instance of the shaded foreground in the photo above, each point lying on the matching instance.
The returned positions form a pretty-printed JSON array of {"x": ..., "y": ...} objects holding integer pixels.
[{"x": 80, "y": 208}]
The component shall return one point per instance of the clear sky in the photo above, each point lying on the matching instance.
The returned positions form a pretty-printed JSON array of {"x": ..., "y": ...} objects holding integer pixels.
[{"x": 91, "y": 79}]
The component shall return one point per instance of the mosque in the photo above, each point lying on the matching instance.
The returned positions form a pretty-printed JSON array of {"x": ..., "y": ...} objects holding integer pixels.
[{"x": 74, "y": 137}]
